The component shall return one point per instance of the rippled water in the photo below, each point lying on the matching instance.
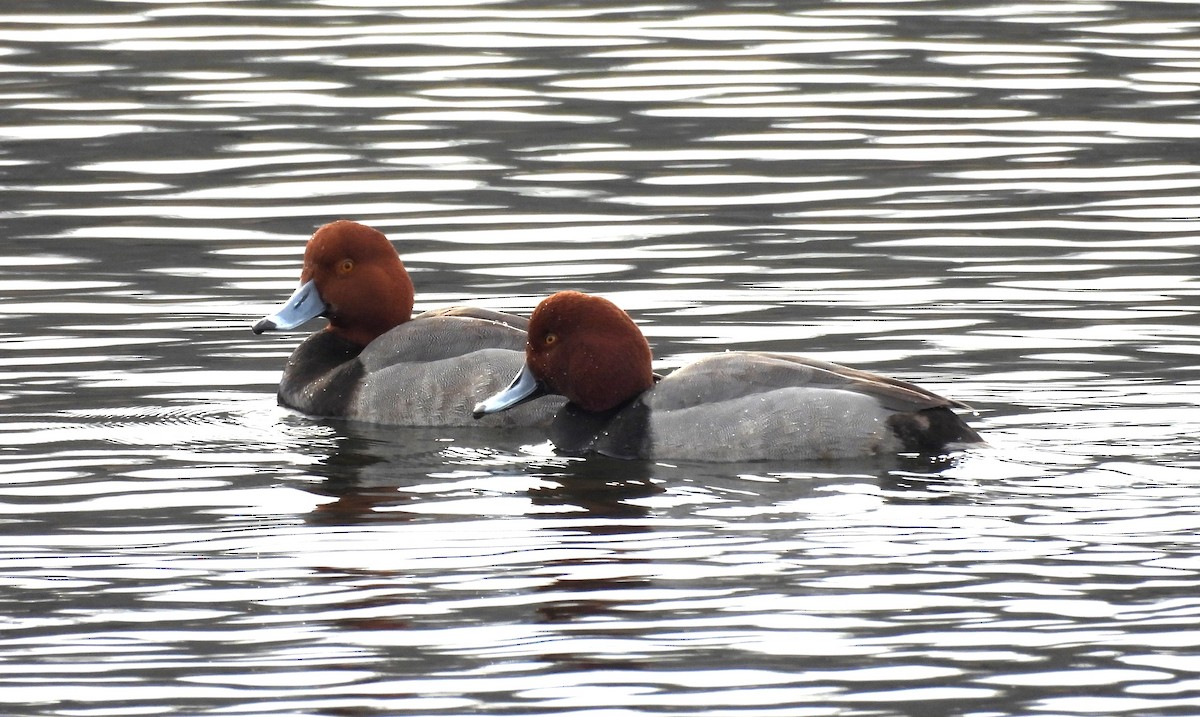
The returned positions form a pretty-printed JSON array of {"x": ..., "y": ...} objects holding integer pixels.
[{"x": 995, "y": 200}]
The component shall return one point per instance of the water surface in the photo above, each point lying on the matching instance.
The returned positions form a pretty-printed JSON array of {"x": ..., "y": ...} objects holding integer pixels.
[{"x": 995, "y": 200}]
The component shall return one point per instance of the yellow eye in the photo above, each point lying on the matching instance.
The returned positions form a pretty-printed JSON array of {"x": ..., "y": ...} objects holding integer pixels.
[
  {"x": 550, "y": 339},
  {"x": 346, "y": 266}
]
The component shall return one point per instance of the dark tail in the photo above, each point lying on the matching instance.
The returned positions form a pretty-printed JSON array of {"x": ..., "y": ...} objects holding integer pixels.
[{"x": 929, "y": 431}]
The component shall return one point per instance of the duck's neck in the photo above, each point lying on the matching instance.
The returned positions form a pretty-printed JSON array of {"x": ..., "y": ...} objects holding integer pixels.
[
  {"x": 390, "y": 306},
  {"x": 361, "y": 333},
  {"x": 611, "y": 380}
]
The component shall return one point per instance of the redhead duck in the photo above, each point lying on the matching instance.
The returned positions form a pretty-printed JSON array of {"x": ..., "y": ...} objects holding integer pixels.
[
  {"x": 733, "y": 406},
  {"x": 377, "y": 362}
]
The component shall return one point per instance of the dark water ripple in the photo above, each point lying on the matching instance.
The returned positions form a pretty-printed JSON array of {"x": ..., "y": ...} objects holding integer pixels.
[{"x": 995, "y": 200}]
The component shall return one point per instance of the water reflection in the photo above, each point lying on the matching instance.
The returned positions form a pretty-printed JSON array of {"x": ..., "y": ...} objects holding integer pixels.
[
  {"x": 514, "y": 472},
  {"x": 374, "y": 477}
]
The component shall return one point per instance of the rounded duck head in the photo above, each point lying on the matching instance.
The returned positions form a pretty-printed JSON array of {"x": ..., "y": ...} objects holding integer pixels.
[
  {"x": 589, "y": 350},
  {"x": 359, "y": 276}
]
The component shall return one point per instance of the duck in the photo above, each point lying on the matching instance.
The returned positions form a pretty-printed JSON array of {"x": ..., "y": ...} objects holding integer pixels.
[
  {"x": 729, "y": 406},
  {"x": 375, "y": 361}
]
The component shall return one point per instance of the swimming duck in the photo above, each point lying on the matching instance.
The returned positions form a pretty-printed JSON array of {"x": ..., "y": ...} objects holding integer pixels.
[
  {"x": 377, "y": 362},
  {"x": 733, "y": 406}
]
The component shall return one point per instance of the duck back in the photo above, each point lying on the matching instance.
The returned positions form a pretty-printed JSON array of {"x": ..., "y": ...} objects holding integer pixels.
[
  {"x": 429, "y": 371},
  {"x": 740, "y": 406}
]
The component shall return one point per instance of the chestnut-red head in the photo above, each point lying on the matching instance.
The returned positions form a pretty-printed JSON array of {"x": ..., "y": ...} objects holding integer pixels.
[
  {"x": 360, "y": 277},
  {"x": 586, "y": 348}
]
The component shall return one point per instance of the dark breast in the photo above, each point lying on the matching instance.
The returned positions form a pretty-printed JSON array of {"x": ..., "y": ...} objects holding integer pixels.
[{"x": 322, "y": 375}]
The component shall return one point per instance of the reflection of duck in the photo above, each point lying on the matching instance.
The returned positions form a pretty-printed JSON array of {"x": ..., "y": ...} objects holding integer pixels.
[
  {"x": 376, "y": 362},
  {"x": 599, "y": 487},
  {"x": 732, "y": 406},
  {"x": 374, "y": 473}
]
